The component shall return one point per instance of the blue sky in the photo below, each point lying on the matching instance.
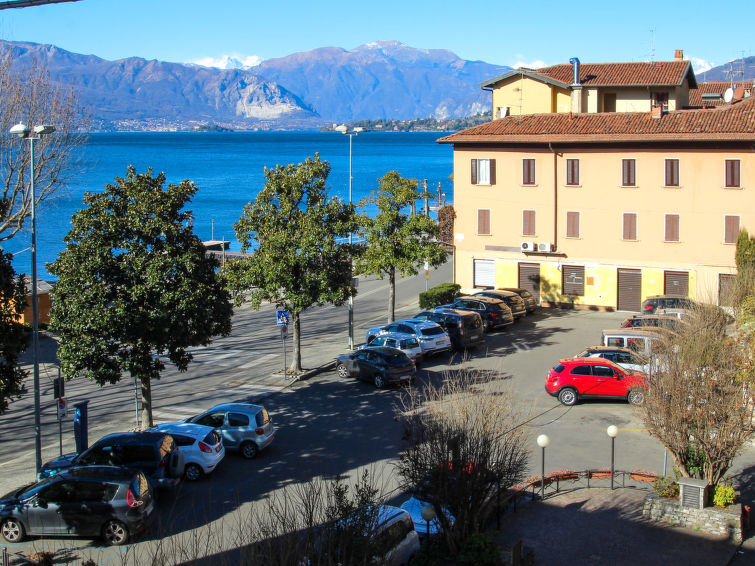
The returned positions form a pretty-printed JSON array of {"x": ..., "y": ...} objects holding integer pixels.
[{"x": 505, "y": 33}]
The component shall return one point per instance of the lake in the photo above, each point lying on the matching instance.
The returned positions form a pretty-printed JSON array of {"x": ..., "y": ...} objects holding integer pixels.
[{"x": 228, "y": 168}]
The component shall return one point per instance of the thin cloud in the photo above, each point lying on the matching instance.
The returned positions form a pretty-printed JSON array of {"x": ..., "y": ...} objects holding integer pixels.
[{"x": 701, "y": 65}]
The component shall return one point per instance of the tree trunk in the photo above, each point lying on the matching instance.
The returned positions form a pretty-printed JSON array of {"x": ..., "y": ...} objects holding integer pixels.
[
  {"x": 295, "y": 366},
  {"x": 146, "y": 403},
  {"x": 391, "y": 294}
]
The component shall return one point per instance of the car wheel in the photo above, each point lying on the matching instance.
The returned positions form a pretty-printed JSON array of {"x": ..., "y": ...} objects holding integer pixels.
[
  {"x": 249, "y": 450},
  {"x": 379, "y": 380},
  {"x": 115, "y": 533},
  {"x": 342, "y": 371},
  {"x": 192, "y": 472},
  {"x": 13, "y": 530},
  {"x": 567, "y": 396},
  {"x": 636, "y": 397}
]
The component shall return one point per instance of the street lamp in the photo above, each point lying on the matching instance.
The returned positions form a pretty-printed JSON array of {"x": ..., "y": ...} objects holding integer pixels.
[
  {"x": 355, "y": 131},
  {"x": 32, "y": 134},
  {"x": 543, "y": 441},
  {"x": 428, "y": 514},
  {"x": 612, "y": 431}
]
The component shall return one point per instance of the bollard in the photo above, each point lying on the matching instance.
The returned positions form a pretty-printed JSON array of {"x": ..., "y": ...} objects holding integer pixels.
[
  {"x": 5, "y": 556},
  {"x": 746, "y": 517}
]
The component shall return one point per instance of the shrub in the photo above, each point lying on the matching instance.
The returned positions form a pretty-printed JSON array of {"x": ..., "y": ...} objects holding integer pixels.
[
  {"x": 439, "y": 295},
  {"x": 666, "y": 486},
  {"x": 479, "y": 550},
  {"x": 724, "y": 495},
  {"x": 432, "y": 552}
]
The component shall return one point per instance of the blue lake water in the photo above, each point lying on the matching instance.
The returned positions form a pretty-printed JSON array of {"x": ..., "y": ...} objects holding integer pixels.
[{"x": 228, "y": 169}]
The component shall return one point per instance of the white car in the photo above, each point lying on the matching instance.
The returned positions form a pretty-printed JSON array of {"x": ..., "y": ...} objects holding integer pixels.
[
  {"x": 431, "y": 336},
  {"x": 414, "y": 507},
  {"x": 201, "y": 446},
  {"x": 407, "y": 343}
]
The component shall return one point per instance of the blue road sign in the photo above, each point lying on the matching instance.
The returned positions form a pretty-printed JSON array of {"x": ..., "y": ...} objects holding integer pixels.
[{"x": 282, "y": 318}]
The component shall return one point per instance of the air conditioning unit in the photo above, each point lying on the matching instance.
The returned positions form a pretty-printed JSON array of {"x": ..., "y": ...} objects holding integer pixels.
[
  {"x": 528, "y": 246},
  {"x": 545, "y": 247}
]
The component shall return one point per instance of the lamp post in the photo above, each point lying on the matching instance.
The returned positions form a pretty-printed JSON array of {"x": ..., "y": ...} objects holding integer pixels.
[
  {"x": 543, "y": 441},
  {"x": 612, "y": 431},
  {"x": 354, "y": 132},
  {"x": 428, "y": 514},
  {"x": 33, "y": 134}
]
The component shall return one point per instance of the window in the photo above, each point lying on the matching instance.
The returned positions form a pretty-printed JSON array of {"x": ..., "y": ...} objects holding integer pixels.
[
  {"x": 731, "y": 229},
  {"x": 672, "y": 228},
  {"x": 659, "y": 99},
  {"x": 629, "y": 230},
  {"x": 483, "y": 171},
  {"x": 238, "y": 419},
  {"x": 528, "y": 223},
  {"x": 573, "y": 282},
  {"x": 572, "y": 224},
  {"x": 672, "y": 173},
  {"x": 528, "y": 171},
  {"x": 732, "y": 173},
  {"x": 483, "y": 221},
  {"x": 572, "y": 171},
  {"x": 627, "y": 173},
  {"x": 602, "y": 371},
  {"x": 581, "y": 370},
  {"x": 215, "y": 420},
  {"x": 609, "y": 102}
]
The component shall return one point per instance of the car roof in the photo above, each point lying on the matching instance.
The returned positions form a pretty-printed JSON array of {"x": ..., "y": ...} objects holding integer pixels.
[
  {"x": 502, "y": 292},
  {"x": 190, "y": 429},
  {"x": 103, "y": 473},
  {"x": 235, "y": 407},
  {"x": 482, "y": 298},
  {"x": 419, "y": 323},
  {"x": 130, "y": 438},
  {"x": 388, "y": 514},
  {"x": 589, "y": 361},
  {"x": 457, "y": 312},
  {"x": 396, "y": 335},
  {"x": 650, "y": 331},
  {"x": 609, "y": 349}
]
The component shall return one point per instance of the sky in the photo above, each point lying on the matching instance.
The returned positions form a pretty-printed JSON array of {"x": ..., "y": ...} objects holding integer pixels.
[{"x": 502, "y": 33}]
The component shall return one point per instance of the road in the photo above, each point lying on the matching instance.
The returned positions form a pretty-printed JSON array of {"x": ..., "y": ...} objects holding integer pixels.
[{"x": 328, "y": 426}]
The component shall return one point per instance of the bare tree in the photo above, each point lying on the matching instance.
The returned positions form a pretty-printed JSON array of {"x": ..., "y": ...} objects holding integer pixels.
[
  {"x": 28, "y": 95},
  {"x": 464, "y": 447},
  {"x": 698, "y": 406}
]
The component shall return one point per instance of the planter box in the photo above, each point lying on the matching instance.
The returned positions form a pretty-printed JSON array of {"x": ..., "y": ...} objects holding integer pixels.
[{"x": 720, "y": 521}]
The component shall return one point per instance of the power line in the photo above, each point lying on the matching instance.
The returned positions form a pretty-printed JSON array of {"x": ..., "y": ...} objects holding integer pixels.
[{"x": 28, "y": 3}]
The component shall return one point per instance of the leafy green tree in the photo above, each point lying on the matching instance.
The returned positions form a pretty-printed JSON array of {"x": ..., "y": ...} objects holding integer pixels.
[
  {"x": 135, "y": 284},
  {"x": 294, "y": 230},
  {"x": 395, "y": 241},
  {"x": 13, "y": 337}
]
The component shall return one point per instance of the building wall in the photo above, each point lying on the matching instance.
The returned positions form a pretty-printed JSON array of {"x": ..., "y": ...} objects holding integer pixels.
[
  {"x": 701, "y": 201},
  {"x": 524, "y": 95}
]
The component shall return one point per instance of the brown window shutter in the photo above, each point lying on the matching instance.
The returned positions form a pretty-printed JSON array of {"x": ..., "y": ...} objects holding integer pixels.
[
  {"x": 474, "y": 171},
  {"x": 630, "y": 226},
  {"x": 731, "y": 229},
  {"x": 672, "y": 228},
  {"x": 672, "y": 172},
  {"x": 483, "y": 221},
  {"x": 528, "y": 222},
  {"x": 528, "y": 171},
  {"x": 627, "y": 172},
  {"x": 572, "y": 171},
  {"x": 572, "y": 224},
  {"x": 732, "y": 172},
  {"x": 492, "y": 171}
]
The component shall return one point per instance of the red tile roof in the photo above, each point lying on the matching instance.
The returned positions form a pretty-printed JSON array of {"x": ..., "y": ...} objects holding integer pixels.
[
  {"x": 696, "y": 94},
  {"x": 660, "y": 73},
  {"x": 735, "y": 122}
]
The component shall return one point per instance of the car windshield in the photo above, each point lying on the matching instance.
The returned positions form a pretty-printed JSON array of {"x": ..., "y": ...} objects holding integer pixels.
[
  {"x": 409, "y": 343},
  {"x": 395, "y": 359},
  {"x": 432, "y": 331}
]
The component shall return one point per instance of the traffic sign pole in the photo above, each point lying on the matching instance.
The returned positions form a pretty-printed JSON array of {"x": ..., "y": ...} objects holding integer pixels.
[{"x": 61, "y": 402}]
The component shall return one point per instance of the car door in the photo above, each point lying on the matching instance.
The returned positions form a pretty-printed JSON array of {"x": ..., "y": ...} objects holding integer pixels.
[
  {"x": 45, "y": 511},
  {"x": 608, "y": 381},
  {"x": 238, "y": 428},
  {"x": 580, "y": 377},
  {"x": 366, "y": 365},
  {"x": 89, "y": 507}
]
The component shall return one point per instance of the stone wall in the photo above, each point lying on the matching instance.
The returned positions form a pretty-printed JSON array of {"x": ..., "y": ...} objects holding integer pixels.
[{"x": 721, "y": 521}]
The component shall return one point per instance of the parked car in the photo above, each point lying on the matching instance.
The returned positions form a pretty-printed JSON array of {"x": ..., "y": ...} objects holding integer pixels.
[
  {"x": 407, "y": 343},
  {"x": 414, "y": 507},
  {"x": 623, "y": 357},
  {"x": 681, "y": 314},
  {"x": 464, "y": 328},
  {"x": 494, "y": 312},
  {"x": 243, "y": 427},
  {"x": 154, "y": 453},
  {"x": 641, "y": 340},
  {"x": 512, "y": 300},
  {"x": 431, "y": 336},
  {"x": 380, "y": 365},
  {"x": 114, "y": 503},
  {"x": 200, "y": 445},
  {"x": 573, "y": 379},
  {"x": 530, "y": 302},
  {"x": 652, "y": 320},
  {"x": 652, "y": 303}
]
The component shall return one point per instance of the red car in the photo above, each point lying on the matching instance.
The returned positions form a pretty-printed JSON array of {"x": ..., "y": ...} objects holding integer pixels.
[{"x": 582, "y": 378}]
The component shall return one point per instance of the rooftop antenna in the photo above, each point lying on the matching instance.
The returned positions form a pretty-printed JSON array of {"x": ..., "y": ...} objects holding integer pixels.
[{"x": 652, "y": 44}]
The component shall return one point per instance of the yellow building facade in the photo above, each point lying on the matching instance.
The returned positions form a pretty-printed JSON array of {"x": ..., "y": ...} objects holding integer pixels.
[{"x": 601, "y": 210}]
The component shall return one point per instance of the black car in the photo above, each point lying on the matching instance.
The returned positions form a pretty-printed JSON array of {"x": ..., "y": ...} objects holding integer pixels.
[
  {"x": 382, "y": 366},
  {"x": 655, "y": 302},
  {"x": 154, "y": 453},
  {"x": 494, "y": 312},
  {"x": 512, "y": 300},
  {"x": 530, "y": 302},
  {"x": 92, "y": 501},
  {"x": 463, "y": 327}
]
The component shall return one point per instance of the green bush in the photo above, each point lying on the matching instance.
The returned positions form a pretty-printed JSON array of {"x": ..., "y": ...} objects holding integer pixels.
[
  {"x": 666, "y": 486},
  {"x": 479, "y": 550},
  {"x": 724, "y": 495},
  {"x": 432, "y": 552},
  {"x": 439, "y": 295}
]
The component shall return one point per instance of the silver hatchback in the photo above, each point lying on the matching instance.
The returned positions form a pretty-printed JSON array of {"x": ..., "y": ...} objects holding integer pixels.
[{"x": 245, "y": 427}]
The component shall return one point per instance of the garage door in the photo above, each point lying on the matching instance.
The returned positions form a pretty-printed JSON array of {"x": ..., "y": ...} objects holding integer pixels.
[
  {"x": 529, "y": 278},
  {"x": 630, "y": 289},
  {"x": 484, "y": 273},
  {"x": 676, "y": 283}
]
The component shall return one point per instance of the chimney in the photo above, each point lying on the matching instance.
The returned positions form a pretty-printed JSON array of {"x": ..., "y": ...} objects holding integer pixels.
[
  {"x": 575, "y": 70},
  {"x": 576, "y": 88},
  {"x": 679, "y": 55},
  {"x": 657, "y": 111}
]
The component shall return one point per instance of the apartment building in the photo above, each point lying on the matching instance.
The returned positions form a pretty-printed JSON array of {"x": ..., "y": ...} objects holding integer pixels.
[{"x": 601, "y": 210}]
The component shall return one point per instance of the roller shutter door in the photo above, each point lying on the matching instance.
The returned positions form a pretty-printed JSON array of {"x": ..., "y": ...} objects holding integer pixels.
[
  {"x": 529, "y": 278},
  {"x": 725, "y": 289},
  {"x": 484, "y": 273},
  {"x": 630, "y": 289},
  {"x": 676, "y": 283}
]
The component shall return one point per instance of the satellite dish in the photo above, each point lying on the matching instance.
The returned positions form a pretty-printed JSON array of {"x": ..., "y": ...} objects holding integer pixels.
[
  {"x": 729, "y": 95},
  {"x": 739, "y": 92}
]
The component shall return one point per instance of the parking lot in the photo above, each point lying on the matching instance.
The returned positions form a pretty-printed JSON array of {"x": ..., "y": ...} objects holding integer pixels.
[{"x": 330, "y": 426}]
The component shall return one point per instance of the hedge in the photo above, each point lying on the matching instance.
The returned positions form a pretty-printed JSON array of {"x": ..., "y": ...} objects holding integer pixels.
[{"x": 439, "y": 295}]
